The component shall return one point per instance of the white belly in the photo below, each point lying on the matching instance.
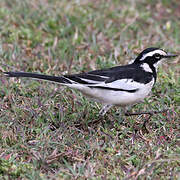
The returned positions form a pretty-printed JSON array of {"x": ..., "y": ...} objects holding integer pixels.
[{"x": 120, "y": 98}]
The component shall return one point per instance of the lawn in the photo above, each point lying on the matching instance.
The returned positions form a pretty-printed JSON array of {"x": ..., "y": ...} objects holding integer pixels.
[{"x": 47, "y": 130}]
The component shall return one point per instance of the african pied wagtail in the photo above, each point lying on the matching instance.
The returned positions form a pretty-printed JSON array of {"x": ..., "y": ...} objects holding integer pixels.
[{"x": 120, "y": 85}]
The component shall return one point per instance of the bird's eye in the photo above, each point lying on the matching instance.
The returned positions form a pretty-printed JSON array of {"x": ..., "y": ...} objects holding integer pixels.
[{"x": 157, "y": 56}]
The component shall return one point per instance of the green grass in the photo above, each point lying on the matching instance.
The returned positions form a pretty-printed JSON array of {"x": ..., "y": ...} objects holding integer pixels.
[{"x": 38, "y": 133}]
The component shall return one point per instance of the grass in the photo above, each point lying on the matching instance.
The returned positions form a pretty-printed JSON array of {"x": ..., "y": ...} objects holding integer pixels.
[{"x": 38, "y": 136}]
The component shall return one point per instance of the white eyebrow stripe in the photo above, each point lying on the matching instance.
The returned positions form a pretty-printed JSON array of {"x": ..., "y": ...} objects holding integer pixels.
[{"x": 158, "y": 51}]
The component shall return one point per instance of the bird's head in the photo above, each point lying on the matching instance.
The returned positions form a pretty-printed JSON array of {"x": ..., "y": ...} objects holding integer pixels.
[{"x": 153, "y": 56}]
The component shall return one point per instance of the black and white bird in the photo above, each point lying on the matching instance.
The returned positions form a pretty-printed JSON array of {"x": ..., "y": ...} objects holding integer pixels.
[{"x": 120, "y": 85}]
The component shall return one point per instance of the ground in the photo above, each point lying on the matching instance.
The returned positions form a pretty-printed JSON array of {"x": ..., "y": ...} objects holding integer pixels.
[{"x": 46, "y": 130}]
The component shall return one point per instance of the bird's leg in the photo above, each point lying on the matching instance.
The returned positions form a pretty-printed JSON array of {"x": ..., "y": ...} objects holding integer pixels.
[
  {"x": 104, "y": 109},
  {"x": 102, "y": 112}
]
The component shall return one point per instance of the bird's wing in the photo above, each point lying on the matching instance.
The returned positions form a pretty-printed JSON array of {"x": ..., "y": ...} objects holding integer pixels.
[
  {"x": 98, "y": 76},
  {"x": 121, "y": 78}
]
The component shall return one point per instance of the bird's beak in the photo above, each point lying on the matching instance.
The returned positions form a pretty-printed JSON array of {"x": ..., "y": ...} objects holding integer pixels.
[{"x": 170, "y": 55}]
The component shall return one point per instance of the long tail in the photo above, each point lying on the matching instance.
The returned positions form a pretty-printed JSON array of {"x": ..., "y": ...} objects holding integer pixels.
[{"x": 58, "y": 79}]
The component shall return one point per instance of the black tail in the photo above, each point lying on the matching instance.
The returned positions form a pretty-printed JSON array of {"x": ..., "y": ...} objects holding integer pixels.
[{"x": 58, "y": 79}]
